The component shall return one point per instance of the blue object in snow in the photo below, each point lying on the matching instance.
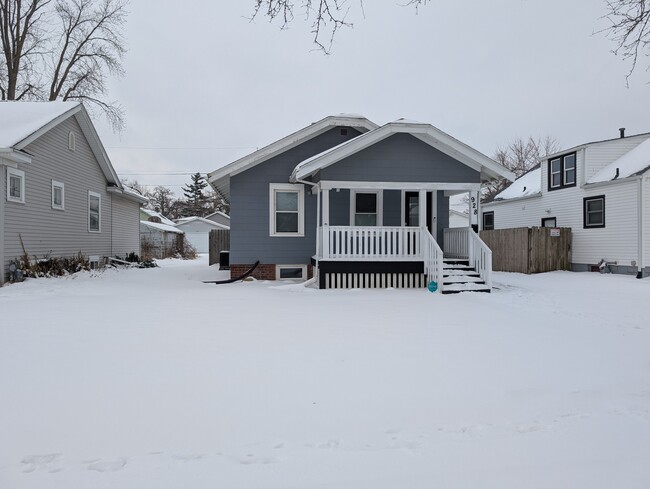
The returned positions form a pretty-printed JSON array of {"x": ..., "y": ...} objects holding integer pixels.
[{"x": 433, "y": 286}]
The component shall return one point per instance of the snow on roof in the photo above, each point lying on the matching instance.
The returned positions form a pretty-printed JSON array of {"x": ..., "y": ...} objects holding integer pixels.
[
  {"x": 528, "y": 184},
  {"x": 217, "y": 213},
  {"x": 162, "y": 218},
  {"x": 18, "y": 120},
  {"x": 185, "y": 220},
  {"x": 631, "y": 163},
  {"x": 162, "y": 227}
]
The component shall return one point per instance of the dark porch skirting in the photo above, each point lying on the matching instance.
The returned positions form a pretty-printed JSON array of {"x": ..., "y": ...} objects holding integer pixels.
[{"x": 364, "y": 270}]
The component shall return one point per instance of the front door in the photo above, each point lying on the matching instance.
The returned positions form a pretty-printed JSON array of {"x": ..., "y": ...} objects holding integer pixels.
[{"x": 412, "y": 209}]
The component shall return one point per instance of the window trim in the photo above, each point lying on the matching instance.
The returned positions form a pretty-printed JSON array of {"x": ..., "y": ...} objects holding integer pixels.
[
  {"x": 58, "y": 207},
  {"x": 562, "y": 172},
  {"x": 544, "y": 219},
  {"x": 483, "y": 226},
  {"x": 280, "y": 267},
  {"x": 380, "y": 205},
  {"x": 19, "y": 174},
  {"x": 99, "y": 220},
  {"x": 287, "y": 187},
  {"x": 584, "y": 212}
]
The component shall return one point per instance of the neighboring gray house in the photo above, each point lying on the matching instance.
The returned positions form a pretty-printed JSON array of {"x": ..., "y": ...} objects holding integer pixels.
[
  {"x": 357, "y": 204},
  {"x": 61, "y": 195},
  {"x": 159, "y": 236},
  {"x": 601, "y": 190},
  {"x": 197, "y": 231},
  {"x": 219, "y": 217}
]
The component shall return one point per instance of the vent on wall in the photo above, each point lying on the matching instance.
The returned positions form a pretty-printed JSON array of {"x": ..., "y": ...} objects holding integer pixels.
[
  {"x": 71, "y": 141},
  {"x": 344, "y": 132}
]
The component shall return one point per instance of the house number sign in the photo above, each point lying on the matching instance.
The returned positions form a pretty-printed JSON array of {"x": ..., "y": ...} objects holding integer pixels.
[{"x": 474, "y": 206}]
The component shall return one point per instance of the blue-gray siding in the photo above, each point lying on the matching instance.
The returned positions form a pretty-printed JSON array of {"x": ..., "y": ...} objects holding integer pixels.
[
  {"x": 47, "y": 231},
  {"x": 249, "y": 214},
  {"x": 400, "y": 158}
]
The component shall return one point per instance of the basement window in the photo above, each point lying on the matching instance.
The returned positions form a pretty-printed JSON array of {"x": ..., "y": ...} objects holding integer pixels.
[{"x": 291, "y": 272}]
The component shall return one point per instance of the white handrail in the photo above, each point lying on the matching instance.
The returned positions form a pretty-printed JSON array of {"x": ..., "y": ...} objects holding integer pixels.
[
  {"x": 433, "y": 258},
  {"x": 371, "y": 243},
  {"x": 455, "y": 242},
  {"x": 480, "y": 257}
]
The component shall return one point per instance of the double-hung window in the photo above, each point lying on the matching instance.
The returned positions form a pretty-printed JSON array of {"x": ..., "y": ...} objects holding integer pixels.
[
  {"x": 15, "y": 185},
  {"x": 94, "y": 212},
  {"x": 287, "y": 209},
  {"x": 366, "y": 208},
  {"x": 488, "y": 220},
  {"x": 58, "y": 195},
  {"x": 594, "y": 212},
  {"x": 562, "y": 171}
]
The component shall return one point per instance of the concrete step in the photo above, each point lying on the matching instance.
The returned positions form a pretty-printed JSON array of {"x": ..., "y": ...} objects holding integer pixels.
[
  {"x": 457, "y": 288},
  {"x": 462, "y": 279}
]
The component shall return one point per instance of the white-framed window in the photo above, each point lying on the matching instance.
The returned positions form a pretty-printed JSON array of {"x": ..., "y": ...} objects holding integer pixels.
[
  {"x": 488, "y": 220},
  {"x": 366, "y": 207},
  {"x": 94, "y": 212},
  {"x": 72, "y": 141},
  {"x": 291, "y": 272},
  {"x": 58, "y": 195},
  {"x": 594, "y": 212},
  {"x": 15, "y": 185},
  {"x": 286, "y": 209}
]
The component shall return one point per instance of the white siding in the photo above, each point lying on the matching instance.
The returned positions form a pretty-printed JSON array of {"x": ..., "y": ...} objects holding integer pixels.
[
  {"x": 602, "y": 154},
  {"x": 615, "y": 242},
  {"x": 47, "y": 231}
]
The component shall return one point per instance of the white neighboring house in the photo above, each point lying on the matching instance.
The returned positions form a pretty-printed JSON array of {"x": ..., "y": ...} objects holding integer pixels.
[
  {"x": 158, "y": 233},
  {"x": 197, "y": 231},
  {"x": 601, "y": 190},
  {"x": 459, "y": 211},
  {"x": 219, "y": 217}
]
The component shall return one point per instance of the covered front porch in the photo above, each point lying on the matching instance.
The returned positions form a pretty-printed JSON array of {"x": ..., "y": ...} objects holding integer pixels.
[{"x": 417, "y": 252}]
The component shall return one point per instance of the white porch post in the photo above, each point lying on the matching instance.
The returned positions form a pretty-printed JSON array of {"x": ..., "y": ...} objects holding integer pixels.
[
  {"x": 422, "y": 202},
  {"x": 326, "y": 223}
]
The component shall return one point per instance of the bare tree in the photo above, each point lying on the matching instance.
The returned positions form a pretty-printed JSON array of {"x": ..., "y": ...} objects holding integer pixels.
[
  {"x": 519, "y": 156},
  {"x": 629, "y": 29},
  {"x": 327, "y": 16},
  {"x": 162, "y": 200},
  {"x": 63, "y": 50}
]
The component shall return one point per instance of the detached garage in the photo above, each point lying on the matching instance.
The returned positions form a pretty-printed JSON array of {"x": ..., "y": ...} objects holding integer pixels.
[{"x": 196, "y": 231}]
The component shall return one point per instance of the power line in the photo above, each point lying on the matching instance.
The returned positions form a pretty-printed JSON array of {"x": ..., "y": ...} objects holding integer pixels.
[
  {"x": 170, "y": 173},
  {"x": 174, "y": 148}
]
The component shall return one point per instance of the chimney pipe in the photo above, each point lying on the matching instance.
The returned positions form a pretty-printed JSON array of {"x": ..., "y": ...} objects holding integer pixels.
[{"x": 621, "y": 131}]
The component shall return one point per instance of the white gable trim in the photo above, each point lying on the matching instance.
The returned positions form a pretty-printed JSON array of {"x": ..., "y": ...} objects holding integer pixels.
[
  {"x": 289, "y": 142},
  {"x": 425, "y": 132}
]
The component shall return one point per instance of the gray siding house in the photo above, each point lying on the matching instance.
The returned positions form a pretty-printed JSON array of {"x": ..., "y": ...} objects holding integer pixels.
[
  {"x": 60, "y": 193},
  {"x": 219, "y": 217},
  {"x": 358, "y": 205}
]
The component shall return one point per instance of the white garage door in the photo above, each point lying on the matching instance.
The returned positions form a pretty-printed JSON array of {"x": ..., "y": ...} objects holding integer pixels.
[{"x": 199, "y": 241}]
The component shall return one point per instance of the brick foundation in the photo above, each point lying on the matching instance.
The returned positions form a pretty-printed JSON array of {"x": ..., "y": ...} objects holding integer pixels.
[{"x": 264, "y": 271}]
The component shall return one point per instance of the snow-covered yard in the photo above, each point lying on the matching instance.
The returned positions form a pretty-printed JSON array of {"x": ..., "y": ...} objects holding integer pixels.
[{"x": 150, "y": 378}]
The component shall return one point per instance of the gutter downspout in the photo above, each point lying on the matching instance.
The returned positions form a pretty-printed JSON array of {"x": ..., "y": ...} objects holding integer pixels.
[{"x": 640, "y": 263}]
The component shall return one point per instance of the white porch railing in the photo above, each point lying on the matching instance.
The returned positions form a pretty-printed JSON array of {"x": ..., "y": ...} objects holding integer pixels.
[
  {"x": 465, "y": 243},
  {"x": 370, "y": 243},
  {"x": 433, "y": 258}
]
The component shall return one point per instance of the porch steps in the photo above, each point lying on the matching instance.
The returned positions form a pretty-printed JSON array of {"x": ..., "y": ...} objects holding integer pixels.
[{"x": 459, "y": 276}]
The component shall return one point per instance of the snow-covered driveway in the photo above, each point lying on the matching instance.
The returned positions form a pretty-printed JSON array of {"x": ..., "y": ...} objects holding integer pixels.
[{"x": 150, "y": 378}]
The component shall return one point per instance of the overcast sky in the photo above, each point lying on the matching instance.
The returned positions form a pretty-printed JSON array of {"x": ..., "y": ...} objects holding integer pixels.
[{"x": 204, "y": 86}]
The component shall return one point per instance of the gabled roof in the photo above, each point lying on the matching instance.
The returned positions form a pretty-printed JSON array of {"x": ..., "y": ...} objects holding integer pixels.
[
  {"x": 157, "y": 214},
  {"x": 21, "y": 123},
  {"x": 187, "y": 220},
  {"x": 218, "y": 213},
  {"x": 162, "y": 227},
  {"x": 220, "y": 179},
  {"x": 425, "y": 132},
  {"x": 634, "y": 162},
  {"x": 527, "y": 185}
]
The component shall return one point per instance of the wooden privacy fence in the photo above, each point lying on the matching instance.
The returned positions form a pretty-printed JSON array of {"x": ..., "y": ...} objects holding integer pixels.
[
  {"x": 529, "y": 250},
  {"x": 218, "y": 241}
]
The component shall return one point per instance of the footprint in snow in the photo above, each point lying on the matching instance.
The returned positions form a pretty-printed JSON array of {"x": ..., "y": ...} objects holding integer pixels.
[
  {"x": 48, "y": 462},
  {"x": 108, "y": 465}
]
